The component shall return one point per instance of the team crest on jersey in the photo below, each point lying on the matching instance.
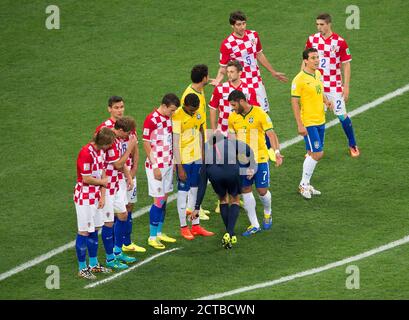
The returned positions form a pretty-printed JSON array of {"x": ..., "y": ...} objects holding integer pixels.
[
  {"x": 333, "y": 48},
  {"x": 87, "y": 166},
  {"x": 316, "y": 144},
  {"x": 251, "y": 120},
  {"x": 146, "y": 131},
  {"x": 198, "y": 116}
]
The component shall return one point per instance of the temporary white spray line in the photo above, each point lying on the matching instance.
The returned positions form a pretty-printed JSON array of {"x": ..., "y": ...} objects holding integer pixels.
[
  {"x": 119, "y": 274},
  {"x": 144, "y": 210},
  {"x": 309, "y": 272}
]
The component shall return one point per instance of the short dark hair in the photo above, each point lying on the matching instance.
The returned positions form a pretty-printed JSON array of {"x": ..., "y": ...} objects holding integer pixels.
[
  {"x": 236, "y": 95},
  {"x": 191, "y": 100},
  {"x": 198, "y": 72},
  {"x": 235, "y": 63},
  {"x": 324, "y": 16},
  {"x": 114, "y": 99},
  {"x": 169, "y": 99},
  {"x": 104, "y": 137},
  {"x": 237, "y": 16},
  {"x": 307, "y": 52},
  {"x": 127, "y": 124}
]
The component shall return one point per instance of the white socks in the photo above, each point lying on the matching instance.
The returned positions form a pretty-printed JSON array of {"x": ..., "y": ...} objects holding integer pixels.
[
  {"x": 308, "y": 170},
  {"x": 266, "y": 201},
  {"x": 181, "y": 204},
  {"x": 249, "y": 204}
]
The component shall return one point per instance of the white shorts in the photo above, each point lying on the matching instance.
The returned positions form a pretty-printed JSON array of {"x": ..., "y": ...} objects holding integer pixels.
[
  {"x": 160, "y": 188},
  {"x": 113, "y": 204},
  {"x": 133, "y": 194},
  {"x": 262, "y": 97},
  {"x": 338, "y": 101},
  {"x": 89, "y": 217}
]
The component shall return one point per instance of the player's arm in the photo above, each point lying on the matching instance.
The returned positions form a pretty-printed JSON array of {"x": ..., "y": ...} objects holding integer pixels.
[
  {"x": 266, "y": 64},
  {"x": 135, "y": 160},
  {"x": 275, "y": 144},
  {"x": 213, "y": 118},
  {"x": 148, "y": 150},
  {"x": 102, "y": 190},
  {"x": 119, "y": 164},
  {"x": 88, "y": 179},
  {"x": 295, "y": 103},
  {"x": 220, "y": 76},
  {"x": 178, "y": 159},
  {"x": 128, "y": 176},
  {"x": 201, "y": 190},
  {"x": 328, "y": 102},
  {"x": 346, "y": 66}
]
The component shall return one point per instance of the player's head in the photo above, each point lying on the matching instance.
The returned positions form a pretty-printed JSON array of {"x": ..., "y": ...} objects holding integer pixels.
[
  {"x": 237, "y": 100},
  {"x": 238, "y": 22},
  {"x": 234, "y": 69},
  {"x": 170, "y": 102},
  {"x": 191, "y": 103},
  {"x": 323, "y": 22},
  {"x": 200, "y": 74},
  {"x": 104, "y": 138},
  {"x": 311, "y": 58},
  {"x": 124, "y": 126},
  {"x": 116, "y": 107}
]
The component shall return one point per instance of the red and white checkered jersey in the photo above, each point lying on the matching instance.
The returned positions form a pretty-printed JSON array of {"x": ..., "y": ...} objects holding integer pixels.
[
  {"x": 219, "y": 101},
  {"x": 90, "y": 162},
  {"x": 113, "y": 154},
  {"x": 244, "y": 50},
  {"x": 332, "y": 52},
  {"x": 157, "y": 129}
]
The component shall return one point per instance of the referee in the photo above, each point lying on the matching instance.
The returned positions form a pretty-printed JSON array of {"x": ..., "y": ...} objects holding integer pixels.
[{"x": 225, "y": 160}]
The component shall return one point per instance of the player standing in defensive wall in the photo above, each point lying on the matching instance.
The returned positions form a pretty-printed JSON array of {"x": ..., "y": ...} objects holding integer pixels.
[
  {"x": 250, "y": 125},
  {"x": 158, "y": 146},
  {"x": 89, "y": 198},
  {"x": 307, "y": 99},
  {"x": 188, "y": 135},
  {"x": 333, "y": 53}
]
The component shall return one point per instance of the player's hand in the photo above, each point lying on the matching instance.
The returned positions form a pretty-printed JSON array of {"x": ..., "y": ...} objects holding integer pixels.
[
  {"x": 194, "y": 215},
  {"x": 345, "y": 93},
  {"x": 133, "y": 171},
  {"x": 104, "y": 181},
  {"x": 157, "y": 174},
  {"x": 132, "y": 143},
  {"x": 250, "y": 174},
  {"x": 213, "y": 82},
  {"x": 330, "y": 104},
  {"x": 302, "y": 131},
  {"x": 101, "y": 202},
  {"x": 279, "y": 159},
  {"x": 182, "y": 174},
  {"x": 129, "y": 183},
  {"x": 280, "y": 76}
]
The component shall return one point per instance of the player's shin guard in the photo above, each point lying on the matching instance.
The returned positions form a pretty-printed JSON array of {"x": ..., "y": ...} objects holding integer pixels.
[
  {"x": 250, "y": 207},
  {"x": 81, "y": 249},
  {"x": 233, "y": 215},
  {"x": 224, "y": 212},
  {"x": 266, "y": 201},
  {"x": 154, "y": 218},
  {"x": 308, "y": 170},
  {"x": 181, "y": 204},
  {"x": 127, "y": 237},
  {"x": 162, "y": 219},
  {"x": 119, "y": 232},
  {"x": 349, "y": 131},
  {"x": 92, "y": 244},
  {"x": 107, "y": 236}
]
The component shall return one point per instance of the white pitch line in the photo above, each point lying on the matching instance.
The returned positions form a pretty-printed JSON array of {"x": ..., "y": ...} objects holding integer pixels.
[
  {"x": 117, "y": 275},
  {"x": 144, "y": 210},
  {"x": 308, "y": 272}
]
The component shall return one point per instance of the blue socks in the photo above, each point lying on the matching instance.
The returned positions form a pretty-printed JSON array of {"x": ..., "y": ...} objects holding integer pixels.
[
  {"x": 155, "y": 216},
  {"x": 349, "y": 131},
  {"x": 162, "y": 218},
  {"x": 81, "y": 248},
  {"x": 119, "y": 231},
  {"x": 92, "y": 244},
  {"x": 233, "y": 215},
  {"x": 224, "y": 212},
  {"x": 107, "y": 236},
  {"x": 127, "y": 236}
]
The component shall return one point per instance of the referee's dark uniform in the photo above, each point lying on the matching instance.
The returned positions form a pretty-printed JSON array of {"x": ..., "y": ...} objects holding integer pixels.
[{"x": 225, "y": 160}]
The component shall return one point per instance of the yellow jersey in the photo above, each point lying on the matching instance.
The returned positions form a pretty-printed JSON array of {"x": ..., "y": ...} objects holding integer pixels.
[
  {"x": 202, "y": 99},
  {"x": 188, "y": 129},
  {"x": 251, "y": 129},
  {"x": 309, "y": 88}
]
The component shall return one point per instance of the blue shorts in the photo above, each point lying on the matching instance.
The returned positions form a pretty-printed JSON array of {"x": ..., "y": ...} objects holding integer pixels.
[
  {"x": 192, "y": 176},
  {"x": 314, "y": 140},
  {"x": 261, "y": 178}
]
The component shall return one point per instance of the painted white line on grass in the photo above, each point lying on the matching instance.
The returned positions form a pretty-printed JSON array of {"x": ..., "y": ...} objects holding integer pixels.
[
  {"x": 119, "y": 274},
  {"x": 172, "y": 197},
  {"x": 308, "y": 272}
]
